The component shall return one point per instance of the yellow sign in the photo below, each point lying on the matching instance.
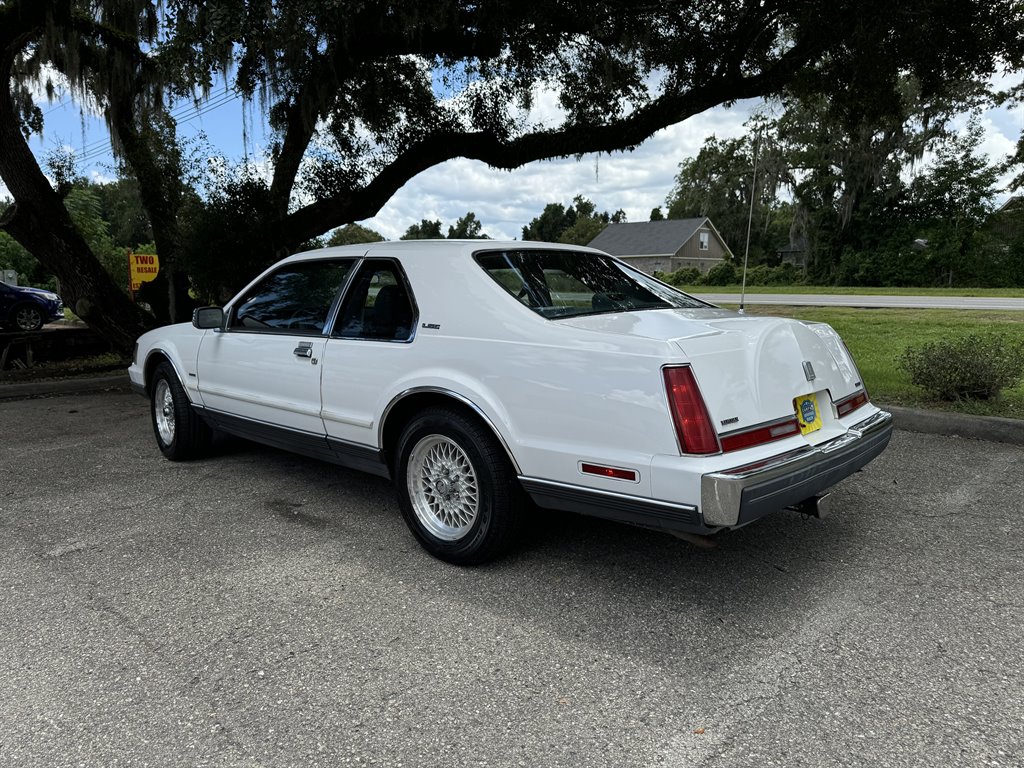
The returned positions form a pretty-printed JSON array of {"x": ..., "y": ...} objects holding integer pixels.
[{"x": 143, "y": 267}]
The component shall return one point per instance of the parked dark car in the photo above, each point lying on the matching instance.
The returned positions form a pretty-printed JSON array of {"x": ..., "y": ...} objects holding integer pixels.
[{"x": 28, "y": 309}]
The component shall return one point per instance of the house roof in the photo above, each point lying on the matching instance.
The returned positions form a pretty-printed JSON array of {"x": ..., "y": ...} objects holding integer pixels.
[
  {"x": 1013, "y": 203},
  {"x": 646, "y": 238}
]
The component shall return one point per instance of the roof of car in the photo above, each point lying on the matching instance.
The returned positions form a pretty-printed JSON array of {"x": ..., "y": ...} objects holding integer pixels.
[{"x": 433, "y": 248}]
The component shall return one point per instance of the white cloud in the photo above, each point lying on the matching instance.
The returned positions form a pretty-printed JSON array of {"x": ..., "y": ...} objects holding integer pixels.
[{"x": 99, "y": 177}]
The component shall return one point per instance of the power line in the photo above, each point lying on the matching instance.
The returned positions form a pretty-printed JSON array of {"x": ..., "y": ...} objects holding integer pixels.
[{"x": 100, "y": 147}]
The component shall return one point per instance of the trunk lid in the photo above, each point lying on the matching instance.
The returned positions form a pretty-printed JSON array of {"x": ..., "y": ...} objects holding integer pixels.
[{"x": 749, "y": 369}]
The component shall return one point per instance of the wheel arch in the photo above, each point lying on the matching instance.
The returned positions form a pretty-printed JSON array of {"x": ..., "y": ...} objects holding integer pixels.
[
  {"x": 153, "y": 359},
  {"x": 405, "y": 406}
]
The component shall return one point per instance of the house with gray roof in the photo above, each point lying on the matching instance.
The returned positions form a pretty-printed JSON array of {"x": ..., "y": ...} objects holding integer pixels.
[{"x": 665, "y": 246}]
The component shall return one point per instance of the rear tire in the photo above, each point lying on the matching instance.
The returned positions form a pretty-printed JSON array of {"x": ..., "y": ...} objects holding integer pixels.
[
  {"x": 457, "y": 489},
  {"x": 180, "y": 433}
]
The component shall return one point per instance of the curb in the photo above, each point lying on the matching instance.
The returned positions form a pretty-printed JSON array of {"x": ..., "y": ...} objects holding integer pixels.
[
  {"x": 991, "y": 428},
  {"x": 30, "y": 389}
]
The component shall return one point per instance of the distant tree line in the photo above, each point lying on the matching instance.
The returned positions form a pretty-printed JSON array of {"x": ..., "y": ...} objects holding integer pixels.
[{"x": 863, "y": 199}]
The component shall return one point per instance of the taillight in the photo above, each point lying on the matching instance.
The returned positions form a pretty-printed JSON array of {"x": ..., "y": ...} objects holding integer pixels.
[
  {"x": 689, "y": 414},
  {"x": 761, "y": 434},
  {"x": 851, "y": 403}
]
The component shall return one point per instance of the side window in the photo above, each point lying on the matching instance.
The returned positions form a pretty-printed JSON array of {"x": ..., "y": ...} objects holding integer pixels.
[
  {"x": 377, "y": 305},
  {"x": 704, "y": 238},
  {"x": 293, "y": 299}
]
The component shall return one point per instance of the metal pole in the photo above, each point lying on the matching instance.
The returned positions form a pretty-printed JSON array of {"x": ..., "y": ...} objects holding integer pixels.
[{"x": 750, "y": 216}]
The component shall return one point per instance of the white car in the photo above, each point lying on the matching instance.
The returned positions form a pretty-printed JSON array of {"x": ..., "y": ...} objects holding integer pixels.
[{"x": 478, "y": 373}]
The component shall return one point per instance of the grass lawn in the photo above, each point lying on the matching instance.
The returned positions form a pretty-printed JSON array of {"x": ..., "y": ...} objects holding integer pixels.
[
  {"x": 877, "y": 337},
  {"x": 858, "y": 291}
]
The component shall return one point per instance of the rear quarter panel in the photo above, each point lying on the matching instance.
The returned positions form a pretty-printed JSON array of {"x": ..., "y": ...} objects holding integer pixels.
[{"x": 559, "y": 395}]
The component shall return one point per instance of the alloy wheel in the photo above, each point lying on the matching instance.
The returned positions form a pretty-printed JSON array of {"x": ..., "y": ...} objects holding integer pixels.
[{"x": 443, "y": 487}]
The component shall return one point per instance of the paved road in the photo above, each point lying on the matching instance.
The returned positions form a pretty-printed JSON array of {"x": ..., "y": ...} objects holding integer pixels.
[
  {"x": 258, "y": 609},
  {"x": 892, "y": 302}
]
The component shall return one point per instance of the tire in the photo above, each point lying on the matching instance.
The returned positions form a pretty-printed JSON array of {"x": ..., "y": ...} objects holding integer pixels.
[
  {"x": 180, "y": 433},
  {"x": 26, "y": 317},
  {"x": 457, "y": 489}
]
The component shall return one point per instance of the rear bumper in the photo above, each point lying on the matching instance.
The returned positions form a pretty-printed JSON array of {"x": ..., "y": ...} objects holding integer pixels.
[{"x": 737, "y": 496}]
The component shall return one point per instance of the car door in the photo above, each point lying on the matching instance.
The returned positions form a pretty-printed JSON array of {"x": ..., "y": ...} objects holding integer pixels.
[
  {"x": 261, "y": 372},
  {"x": 368, "y": 350}
]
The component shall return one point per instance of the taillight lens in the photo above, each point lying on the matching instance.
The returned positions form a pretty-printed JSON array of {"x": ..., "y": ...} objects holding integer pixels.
[
  {"x": 689, "y": 414},
  {"x": 761, "y": 434},
  {"x": 851, "y": 403}
]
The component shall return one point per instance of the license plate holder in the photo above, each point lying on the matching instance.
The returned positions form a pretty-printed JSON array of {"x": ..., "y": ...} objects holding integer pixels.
[{"x": 808, "y": 413}]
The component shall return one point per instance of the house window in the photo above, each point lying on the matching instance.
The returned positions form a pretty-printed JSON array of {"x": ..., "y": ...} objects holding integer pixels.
[{"x": 704, "y": 239}]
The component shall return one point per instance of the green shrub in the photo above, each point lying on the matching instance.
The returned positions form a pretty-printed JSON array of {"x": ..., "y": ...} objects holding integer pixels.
[
  {"x": 760, "y": 275},
  {"x": 723, "y": 273},
  {"x": 973, "y": 366},
  {"x": 684, "y": 276}
]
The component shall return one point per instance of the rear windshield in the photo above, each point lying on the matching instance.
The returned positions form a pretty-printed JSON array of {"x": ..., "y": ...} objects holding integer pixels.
[{"x": 569, "y": 284}]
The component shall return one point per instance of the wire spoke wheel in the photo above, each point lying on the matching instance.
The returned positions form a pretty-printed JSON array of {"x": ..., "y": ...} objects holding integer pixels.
[
  {"x": 163, "y": 411},
  {"x": 457, "y": 489},
  {"x": 443, "y": 487}
]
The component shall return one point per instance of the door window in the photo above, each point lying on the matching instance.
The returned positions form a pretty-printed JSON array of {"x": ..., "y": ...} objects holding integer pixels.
[
  {"x": 296, "y": 298},
  {"x": 377, "y": 305}
]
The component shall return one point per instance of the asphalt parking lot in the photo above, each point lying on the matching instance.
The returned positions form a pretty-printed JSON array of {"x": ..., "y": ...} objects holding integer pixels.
[{"x": 261, "y": 609}]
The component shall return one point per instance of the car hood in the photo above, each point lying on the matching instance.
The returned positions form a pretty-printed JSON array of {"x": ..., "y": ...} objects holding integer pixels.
[
  {"x": 41, "y": 292},
  {"x": 749, "y": 369}
]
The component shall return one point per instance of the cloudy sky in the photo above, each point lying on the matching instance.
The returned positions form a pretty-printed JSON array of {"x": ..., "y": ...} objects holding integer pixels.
[{"x": 503, "y": 201}]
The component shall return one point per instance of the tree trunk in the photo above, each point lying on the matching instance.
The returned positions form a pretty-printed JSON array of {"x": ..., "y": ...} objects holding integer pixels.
[
  {"x": 40, "y": 222},
  {"x": 160, "y": 189}
]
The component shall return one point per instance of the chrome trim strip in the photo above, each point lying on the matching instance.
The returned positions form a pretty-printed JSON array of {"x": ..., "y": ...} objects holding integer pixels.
[
  {"x": 667, "y": 505},
  {"x": 341, "y": 418},
  {"x": 456, "y": 396},
  {"x": 872, "y": 423},
  {"x": 783, "y": 460}
]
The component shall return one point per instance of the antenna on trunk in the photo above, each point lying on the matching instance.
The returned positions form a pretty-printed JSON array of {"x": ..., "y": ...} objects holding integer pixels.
[{"x": 750, "y": 217}]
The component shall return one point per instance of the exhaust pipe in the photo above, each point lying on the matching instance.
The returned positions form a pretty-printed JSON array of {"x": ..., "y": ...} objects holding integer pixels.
[{"x": 817, "y": 506}]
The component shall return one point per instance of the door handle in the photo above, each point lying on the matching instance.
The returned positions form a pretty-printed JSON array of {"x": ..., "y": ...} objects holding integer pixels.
[{"x": 305, "y": 349}]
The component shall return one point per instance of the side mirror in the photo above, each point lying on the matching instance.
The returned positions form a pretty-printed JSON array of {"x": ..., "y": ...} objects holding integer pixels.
[{"x": 208, "y": 317}]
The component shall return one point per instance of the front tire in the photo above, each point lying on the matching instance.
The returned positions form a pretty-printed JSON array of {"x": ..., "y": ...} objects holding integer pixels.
[
  {"x": 27, "y": 318},
  {"x": 180, "y": 433},
  {"x": 456, "y": 487}
]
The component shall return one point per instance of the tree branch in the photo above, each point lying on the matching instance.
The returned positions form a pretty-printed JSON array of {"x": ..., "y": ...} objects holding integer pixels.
[
  {"x": 21, "y": 21},
  {"x": 626, "y": 133}
]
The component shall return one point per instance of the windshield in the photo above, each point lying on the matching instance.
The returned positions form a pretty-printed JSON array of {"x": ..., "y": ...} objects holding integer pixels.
[{"x": 570, "y": 283}]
